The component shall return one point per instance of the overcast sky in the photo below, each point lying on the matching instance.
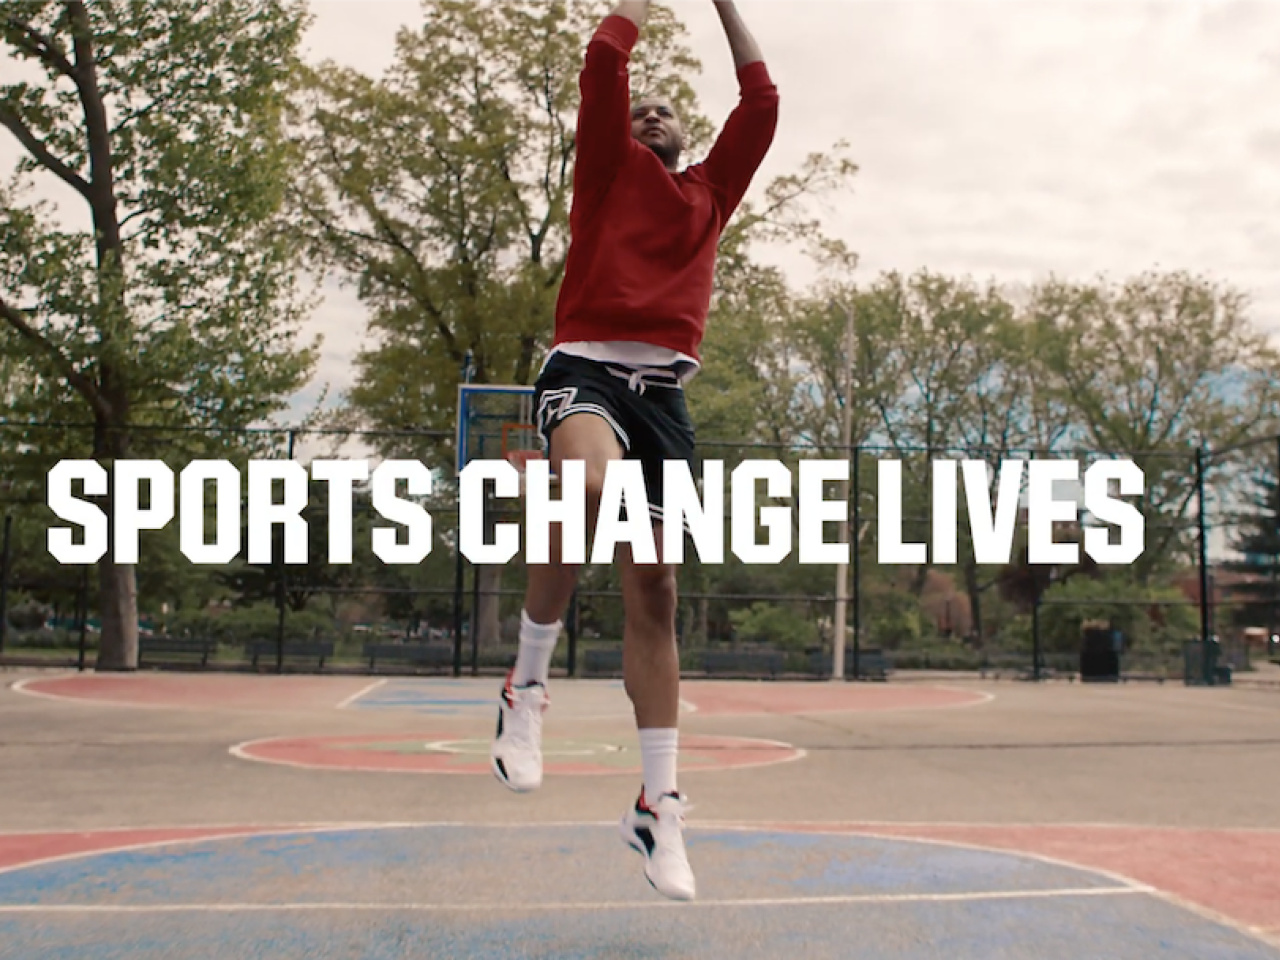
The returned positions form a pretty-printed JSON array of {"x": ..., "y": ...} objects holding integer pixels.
[{"x": 1004, "y": 138}]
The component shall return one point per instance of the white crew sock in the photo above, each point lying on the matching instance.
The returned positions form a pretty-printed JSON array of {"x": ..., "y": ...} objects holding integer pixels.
[
  {"x": 537, "y": 644},
  {"x": 659, "y": 748}
]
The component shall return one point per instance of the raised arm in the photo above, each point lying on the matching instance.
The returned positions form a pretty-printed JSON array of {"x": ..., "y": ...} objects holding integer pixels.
[
  {"x": 742, "y": 44},
  {"x": 604, "y": 116},
  {"x": 748, "y": 133}
]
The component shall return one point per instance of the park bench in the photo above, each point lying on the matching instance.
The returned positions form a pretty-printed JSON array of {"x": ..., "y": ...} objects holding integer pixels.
[
  {"x": 743, "y": 662},
  {"x": 319, "y": 650},
  {"x": 873, "y": 664},
  {"x": 153, "y": 650},
  {"x": 413, "y": 654}
]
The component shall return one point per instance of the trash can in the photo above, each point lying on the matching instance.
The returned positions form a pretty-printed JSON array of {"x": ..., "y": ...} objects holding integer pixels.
[{"x": 1100, "y": 655}]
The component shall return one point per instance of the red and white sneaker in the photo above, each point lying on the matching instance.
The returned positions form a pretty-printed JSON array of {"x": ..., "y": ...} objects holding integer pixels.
[
  {"x": 516, "y": 754},
  {"x": 657, "y": 833}
]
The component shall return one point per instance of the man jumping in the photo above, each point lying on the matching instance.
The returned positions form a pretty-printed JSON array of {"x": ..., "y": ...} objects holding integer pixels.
[{"x": 630, "y": 319}]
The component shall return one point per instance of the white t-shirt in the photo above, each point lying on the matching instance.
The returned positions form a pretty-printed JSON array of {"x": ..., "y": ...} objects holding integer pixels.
[{"x": 630, "y": 353}]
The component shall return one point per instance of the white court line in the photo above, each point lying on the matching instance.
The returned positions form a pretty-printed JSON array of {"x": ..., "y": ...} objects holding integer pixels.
[
  {"x": 241, "y": 752},
  {"x": 20, "y": 686},
  {"x": 1127, "y": 885},
  {"x": 986, "y": 695},
  {"x": 258, "y": 832},
  {"x": 360, "y": 693},
  {"x": 508, "y": 907},
  {"x": 1127, "y": 882}
]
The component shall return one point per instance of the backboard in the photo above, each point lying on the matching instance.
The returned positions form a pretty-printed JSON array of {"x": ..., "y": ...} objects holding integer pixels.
[{"x": 496, "y": 423}]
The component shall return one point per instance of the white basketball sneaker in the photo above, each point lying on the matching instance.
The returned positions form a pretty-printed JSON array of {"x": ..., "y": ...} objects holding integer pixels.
[
  {"x": 516, "y": 754},
  {"x": 657, "y": 834}
]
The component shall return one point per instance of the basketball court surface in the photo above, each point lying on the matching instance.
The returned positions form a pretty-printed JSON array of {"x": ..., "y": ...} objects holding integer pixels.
[{"x": 186, "y": 816}]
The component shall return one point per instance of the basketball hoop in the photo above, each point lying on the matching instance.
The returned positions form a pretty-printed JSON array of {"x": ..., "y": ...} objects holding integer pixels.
[{"x": 493, "y": 422}]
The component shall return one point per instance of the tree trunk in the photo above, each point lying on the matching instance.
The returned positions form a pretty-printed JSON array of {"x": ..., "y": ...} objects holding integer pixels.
[
  {"x": 118, "y": 603},
  {"x": 117, "y": 583},
  {"x": 974, "y": 591}
]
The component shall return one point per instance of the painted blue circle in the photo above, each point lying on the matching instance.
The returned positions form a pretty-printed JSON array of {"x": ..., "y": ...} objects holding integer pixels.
[{"x": 570, "y": 892}]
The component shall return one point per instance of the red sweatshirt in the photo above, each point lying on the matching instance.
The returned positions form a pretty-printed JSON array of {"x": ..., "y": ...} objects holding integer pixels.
[{"x": 643, "y": 253}]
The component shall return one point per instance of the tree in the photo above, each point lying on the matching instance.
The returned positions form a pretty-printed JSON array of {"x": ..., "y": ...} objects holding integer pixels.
[
  {"x": 1150, "y": 368},
  {"x": 1257, "y": 541},
  {"x": 943, "y": 373},
  {"x": 1154, "y": 620},
  {"x": 164, "y": 293}
]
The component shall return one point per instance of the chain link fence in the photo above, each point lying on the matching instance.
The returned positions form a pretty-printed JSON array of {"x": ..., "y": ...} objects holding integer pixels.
[{"x": 920, "y": 593}]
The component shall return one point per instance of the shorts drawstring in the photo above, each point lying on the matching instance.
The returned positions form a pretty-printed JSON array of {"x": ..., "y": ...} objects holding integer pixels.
[{"x": 641, "y": 379}]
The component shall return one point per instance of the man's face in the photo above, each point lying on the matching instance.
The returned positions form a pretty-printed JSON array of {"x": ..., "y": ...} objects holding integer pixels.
[{"x": 655, "y": 124}]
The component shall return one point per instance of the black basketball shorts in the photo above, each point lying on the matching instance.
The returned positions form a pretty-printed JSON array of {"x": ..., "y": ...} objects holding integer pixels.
[{"x": 646, "y": 409}]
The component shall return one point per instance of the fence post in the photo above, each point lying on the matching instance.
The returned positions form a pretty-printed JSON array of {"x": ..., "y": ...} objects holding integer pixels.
[
  {"x": 82, "y": 614},
  {"x": 475, "y": 621},
  {"x": 840, "y": 620},
  {"x": 1275, "y": 557},
  {"x": 855, "y": 542},
  {"x": 571, "y": 626},
  {"x": 459, "y": 572},
  {"x": 459, "y": 578},
  {"x": 5, "y": 561},
  {"x": 846, "y": 439},
  {"x": 282, "y": 589},
  {"x": 1206, "y": 663}
]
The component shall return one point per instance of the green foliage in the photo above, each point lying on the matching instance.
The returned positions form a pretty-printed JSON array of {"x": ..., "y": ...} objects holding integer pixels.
[
  {"x": 893, "y": 619},
  {"x": 1120, "y": 599},
  {"x": 181, "y": 308},
  {"x": 773, "y": 624},
  {"x": 1154, "y": 365},
  {"x": 1257, "y": 542},
  {"x": 25, "y": 613},
  {"x": 167, "y": 292},
  {"x": 259, "y": 621}
]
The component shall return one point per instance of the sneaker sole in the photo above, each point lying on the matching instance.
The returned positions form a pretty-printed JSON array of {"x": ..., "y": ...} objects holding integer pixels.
[
  {"x": 631, "y": 840},
  {"x": 501, "y": 777}
]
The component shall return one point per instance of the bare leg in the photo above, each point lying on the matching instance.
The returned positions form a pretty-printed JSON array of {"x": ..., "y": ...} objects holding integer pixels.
[
  {"x": 516, "y": 754},
  {"x": 651, "y": 664},
  {"x": 590, "y": 439},
  {"x": 651, "y": 668},
  {"x": 650, "y": 658}
]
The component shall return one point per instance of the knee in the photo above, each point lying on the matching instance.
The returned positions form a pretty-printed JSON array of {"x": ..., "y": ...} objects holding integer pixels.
[
  {"x": 654, "y": 592},
  {"x": 593, "y": 482}
]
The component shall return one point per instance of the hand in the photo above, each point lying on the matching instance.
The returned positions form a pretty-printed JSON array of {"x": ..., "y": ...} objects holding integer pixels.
[{"x": 741, "y": 42}]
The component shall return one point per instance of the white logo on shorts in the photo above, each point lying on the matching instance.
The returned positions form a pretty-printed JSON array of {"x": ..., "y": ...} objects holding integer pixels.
[{"x": 554, "y": 404}]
